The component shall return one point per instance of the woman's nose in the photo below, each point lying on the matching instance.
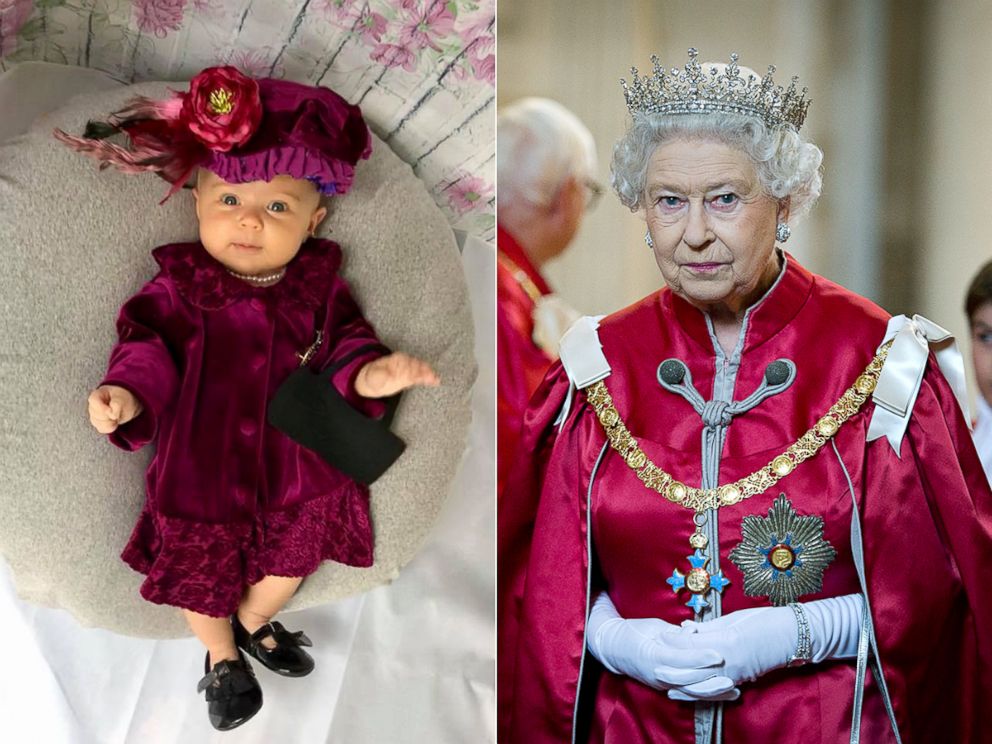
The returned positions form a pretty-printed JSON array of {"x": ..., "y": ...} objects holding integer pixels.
[
  {"x": 697, "y": 227},
  {"x": 249, "y": 218}
]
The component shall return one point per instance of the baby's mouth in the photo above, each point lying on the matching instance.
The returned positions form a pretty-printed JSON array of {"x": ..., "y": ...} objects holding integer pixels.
[{"x": 246, "y": 247}]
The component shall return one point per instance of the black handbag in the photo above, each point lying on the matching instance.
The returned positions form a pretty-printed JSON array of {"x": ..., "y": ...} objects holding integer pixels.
[{"x": 308, "y": 409}]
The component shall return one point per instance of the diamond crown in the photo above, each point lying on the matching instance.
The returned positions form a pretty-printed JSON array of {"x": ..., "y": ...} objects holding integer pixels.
[{"x": 695, "y": 91}]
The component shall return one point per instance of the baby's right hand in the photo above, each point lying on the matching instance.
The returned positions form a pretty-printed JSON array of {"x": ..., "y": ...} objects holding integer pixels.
[{"x": 110, "y": 406}]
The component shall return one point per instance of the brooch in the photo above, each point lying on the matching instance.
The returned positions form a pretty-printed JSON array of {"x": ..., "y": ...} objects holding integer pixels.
[
  {"x": 307, "y": 355},
  {"x": 783, "y": 555}
]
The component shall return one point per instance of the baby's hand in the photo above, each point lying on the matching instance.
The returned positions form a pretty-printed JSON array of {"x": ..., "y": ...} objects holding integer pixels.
[
  {"x": 110, "y": 406},
  {"x": 390, "y": 374}
]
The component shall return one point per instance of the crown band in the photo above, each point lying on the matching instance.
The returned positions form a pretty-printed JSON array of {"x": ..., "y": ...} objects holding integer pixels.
[{"x": 695, "y": 91}]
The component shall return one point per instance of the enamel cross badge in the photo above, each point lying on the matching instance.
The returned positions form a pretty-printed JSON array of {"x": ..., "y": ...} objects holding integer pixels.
[{"x": 699, "y": 581}]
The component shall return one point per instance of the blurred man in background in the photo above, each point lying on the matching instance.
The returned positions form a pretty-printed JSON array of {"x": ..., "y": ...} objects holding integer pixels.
[{"x": 545, "y": 161}]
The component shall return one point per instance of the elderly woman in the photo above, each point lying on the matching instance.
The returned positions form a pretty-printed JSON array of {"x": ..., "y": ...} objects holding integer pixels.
[{"x": 741, "y": 494}]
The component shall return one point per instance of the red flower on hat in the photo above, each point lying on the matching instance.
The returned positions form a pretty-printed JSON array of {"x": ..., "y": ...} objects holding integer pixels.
[{"x": 222, "y": 108}]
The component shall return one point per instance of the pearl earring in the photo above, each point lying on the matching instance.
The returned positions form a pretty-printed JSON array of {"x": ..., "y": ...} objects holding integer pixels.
[
  {"x": 647, "y": 239},
  {"x": 782, "y": 232}
]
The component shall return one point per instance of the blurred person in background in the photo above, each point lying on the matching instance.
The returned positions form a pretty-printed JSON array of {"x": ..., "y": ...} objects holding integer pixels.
[
  {"x": 978, "y": 308},
  {"x": 736, "y": 495},
  {"x": 545, "y": 162}
]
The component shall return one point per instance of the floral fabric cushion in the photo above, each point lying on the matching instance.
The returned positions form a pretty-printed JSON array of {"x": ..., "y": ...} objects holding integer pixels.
[{"x": 423, "y": 72}]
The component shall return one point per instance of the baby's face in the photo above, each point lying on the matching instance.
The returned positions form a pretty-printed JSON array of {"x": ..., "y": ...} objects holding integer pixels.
[{"x": 255, "y": 227}]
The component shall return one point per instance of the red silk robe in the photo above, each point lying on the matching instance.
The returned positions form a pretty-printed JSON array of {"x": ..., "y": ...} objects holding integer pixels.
[
  {"x": 521, "y": 364},
  {"x": 230, "y": 499},
  {"x": 926, "y": 517}
]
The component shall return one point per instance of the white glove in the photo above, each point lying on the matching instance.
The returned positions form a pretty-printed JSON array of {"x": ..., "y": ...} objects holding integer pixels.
[
  {"x": 755, "y": 641},
  {"x": 834, "y": 626},
  {"x": 639, "y": 648}
]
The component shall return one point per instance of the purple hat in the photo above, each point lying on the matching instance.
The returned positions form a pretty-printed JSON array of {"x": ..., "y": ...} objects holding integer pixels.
[{"x": 238, "y": 127}]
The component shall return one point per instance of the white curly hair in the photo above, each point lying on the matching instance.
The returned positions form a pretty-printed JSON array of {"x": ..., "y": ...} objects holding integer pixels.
[{"x": 788, "y": 167}]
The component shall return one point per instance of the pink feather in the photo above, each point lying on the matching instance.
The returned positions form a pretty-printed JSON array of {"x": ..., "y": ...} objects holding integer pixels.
[
  {"x": 138, "y": 161},
  {"x": 139, "y": 108}
]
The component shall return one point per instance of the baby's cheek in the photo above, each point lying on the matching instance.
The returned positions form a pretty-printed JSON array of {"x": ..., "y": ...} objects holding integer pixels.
[
  {"x": 212, "y": 231},
  {"x": 213, "y": 241}
]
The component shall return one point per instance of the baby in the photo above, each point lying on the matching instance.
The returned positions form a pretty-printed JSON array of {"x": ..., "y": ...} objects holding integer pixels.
[{"x": 236, "y": 512}]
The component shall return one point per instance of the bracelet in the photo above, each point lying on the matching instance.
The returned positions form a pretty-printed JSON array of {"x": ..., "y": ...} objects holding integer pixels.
[{"x": 804, "y": 644}]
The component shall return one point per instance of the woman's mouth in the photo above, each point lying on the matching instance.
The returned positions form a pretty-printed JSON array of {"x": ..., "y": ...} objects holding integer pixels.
[{"x": 704, "y": 267}]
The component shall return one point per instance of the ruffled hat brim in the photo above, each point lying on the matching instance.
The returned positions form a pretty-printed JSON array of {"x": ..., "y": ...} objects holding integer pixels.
[{"x": 307, "y": 132}]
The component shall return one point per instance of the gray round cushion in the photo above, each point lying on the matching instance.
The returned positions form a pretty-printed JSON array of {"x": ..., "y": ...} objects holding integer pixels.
[{"x": 76, "y": 243}]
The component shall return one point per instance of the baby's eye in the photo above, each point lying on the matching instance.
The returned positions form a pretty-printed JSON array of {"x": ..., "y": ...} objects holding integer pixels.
[
  {"x": 230, "y": 200},
  {"x": 278, "y": 206}
]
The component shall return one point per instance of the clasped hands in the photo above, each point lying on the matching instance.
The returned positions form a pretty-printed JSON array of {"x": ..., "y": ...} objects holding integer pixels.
[
  {"x": 694, "y": 661},
  {"x": 111, "y": 406}
]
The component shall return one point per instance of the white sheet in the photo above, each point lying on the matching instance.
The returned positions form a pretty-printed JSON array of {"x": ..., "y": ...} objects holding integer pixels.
[{"x": 409, "y": 662}]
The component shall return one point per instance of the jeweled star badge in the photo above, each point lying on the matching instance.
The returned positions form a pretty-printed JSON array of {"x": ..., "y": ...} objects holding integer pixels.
[
  {"x": 782, "y": 555},
  {"x": 699, "y": 581}
]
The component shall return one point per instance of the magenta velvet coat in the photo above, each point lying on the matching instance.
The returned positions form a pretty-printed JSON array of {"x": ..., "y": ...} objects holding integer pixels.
[
  {"x": 571, "y": 524},
  {"x": 229, "y": 498}
]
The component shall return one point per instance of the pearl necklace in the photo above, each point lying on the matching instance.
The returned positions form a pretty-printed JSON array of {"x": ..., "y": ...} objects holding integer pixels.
[{"x": 258, "y": 279}]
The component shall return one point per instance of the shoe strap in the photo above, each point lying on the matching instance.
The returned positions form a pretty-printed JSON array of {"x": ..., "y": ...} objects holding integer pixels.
[{"x": 280, "y": 635}]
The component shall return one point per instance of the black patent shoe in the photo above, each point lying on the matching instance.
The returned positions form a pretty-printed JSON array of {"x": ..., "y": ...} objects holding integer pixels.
[
  {"x": 287, "y": 658},
  {"x": 233, "y": 694}
]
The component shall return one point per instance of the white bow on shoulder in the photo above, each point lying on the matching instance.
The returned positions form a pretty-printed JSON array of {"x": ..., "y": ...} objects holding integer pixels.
[
  {"x": 901, "y": 375},
  {"x": 583, "y": 359}
]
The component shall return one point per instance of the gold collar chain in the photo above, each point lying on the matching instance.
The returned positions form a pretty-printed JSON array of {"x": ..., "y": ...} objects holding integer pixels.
[{"x": 701, "y": 499}]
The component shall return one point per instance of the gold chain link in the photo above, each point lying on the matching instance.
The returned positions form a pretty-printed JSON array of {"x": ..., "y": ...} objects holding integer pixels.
[{"x": 701, "y": 499}]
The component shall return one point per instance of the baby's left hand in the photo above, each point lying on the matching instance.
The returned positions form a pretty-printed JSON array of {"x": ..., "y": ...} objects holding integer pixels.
[{"x": 391, "y": 374}]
